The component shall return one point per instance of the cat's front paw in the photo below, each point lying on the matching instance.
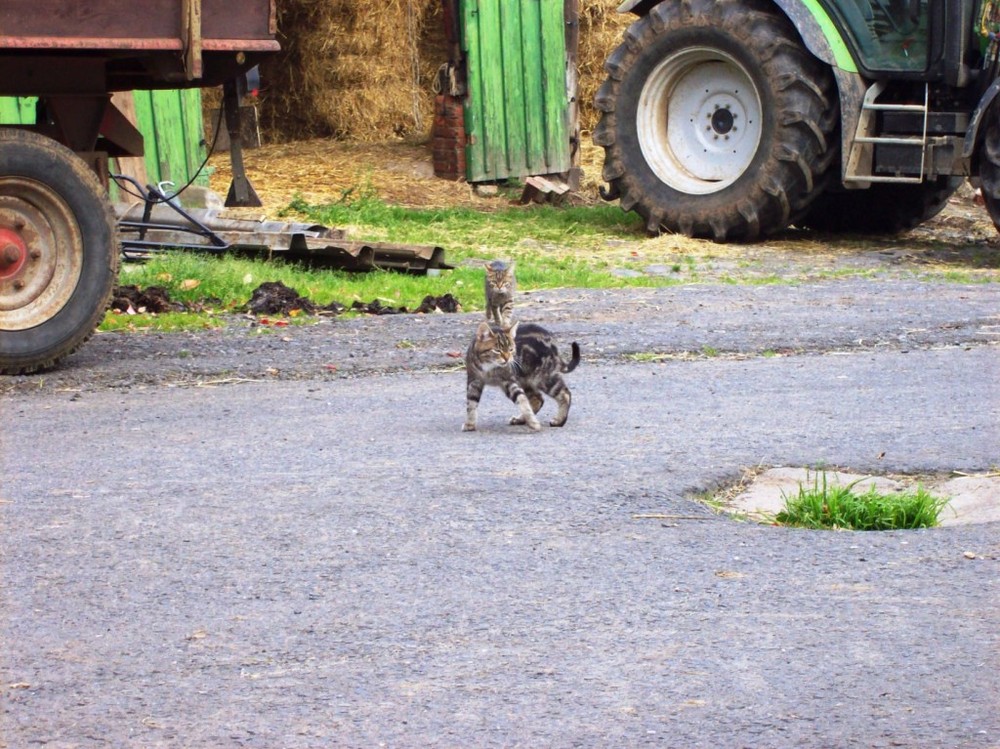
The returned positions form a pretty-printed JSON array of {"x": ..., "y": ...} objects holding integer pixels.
[
  {"x": 467, "y": 427},
  {"x": 532, "y": 424}
]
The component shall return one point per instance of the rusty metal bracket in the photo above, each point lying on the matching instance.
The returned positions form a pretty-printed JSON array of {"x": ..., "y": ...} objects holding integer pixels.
[
  {"x": 191, "y": 38},
  {"x": 241, "y": 192}
]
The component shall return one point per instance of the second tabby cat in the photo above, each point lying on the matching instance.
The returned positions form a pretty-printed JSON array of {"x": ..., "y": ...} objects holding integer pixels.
[
  {"x": 522, "y": 360},
  {"x": 500, "y": 288}
]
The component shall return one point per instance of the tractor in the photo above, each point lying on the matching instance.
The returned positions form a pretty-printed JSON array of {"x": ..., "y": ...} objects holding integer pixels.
[{"x": 731, "y": 120}]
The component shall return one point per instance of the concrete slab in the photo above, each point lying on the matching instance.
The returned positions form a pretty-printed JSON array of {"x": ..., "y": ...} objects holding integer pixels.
[{"x": 973, "y": 499}]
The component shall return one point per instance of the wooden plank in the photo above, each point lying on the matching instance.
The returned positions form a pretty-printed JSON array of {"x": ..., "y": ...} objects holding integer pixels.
[
  {"x": 66, "y": 19},
  {"x": 515, "y": 146},
  {"x": 554, "y": 86},
  {"x": 534, "y": 109},
  {"x": 191, "y": 31},
  {"x": 143, "y": 101},
  {"x": 134, "y": 166},
  {"x": 168, "y": 129},
  {"x": 475, "y": 150},
  {"x": 122, "y": 20},
  {"x": 194, "y": 134},
  {"x": 18, "y": 110},
  {"x": 493, "y": 93}
]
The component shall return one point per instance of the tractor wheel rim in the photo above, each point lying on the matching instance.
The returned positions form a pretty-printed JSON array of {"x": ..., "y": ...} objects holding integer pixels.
[
  {"x": 41, "y": 253},
  {"x": 699, "y": 120}
]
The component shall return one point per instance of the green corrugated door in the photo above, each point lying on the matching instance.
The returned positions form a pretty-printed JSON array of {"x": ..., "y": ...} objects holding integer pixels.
[
  {"x": 177, "y": 146},
  {"x": 517, "y": 107},
  {"x": 170, "y": 122},
  {"x": 18, "y": 111}
]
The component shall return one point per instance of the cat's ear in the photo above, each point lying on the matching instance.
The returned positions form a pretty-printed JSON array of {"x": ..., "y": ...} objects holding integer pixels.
[
  {"x": 511, "y": 266},
  {"x": 483, "y": 332},
  {"x": 487, "y": 264},
  {"x": 512, "y": 331}
]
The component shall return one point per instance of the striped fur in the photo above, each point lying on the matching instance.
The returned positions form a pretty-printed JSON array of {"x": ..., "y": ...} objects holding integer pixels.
[
  {"x": 500, "y": 288},
  {"x": 523, "y": 361}
]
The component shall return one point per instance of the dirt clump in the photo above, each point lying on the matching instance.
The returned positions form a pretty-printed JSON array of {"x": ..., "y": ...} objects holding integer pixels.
[
  {"x": 274, "y": 298},
  {"x": 133, "y": 300}
]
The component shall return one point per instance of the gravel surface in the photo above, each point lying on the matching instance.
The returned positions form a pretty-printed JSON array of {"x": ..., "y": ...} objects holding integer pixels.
[{"x": 281, "y": 537}]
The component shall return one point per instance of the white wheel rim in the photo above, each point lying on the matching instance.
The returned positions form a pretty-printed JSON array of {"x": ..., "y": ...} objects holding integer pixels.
[
  {"x": 699, "y": 121},
  {"x": 38, "y": 225}
]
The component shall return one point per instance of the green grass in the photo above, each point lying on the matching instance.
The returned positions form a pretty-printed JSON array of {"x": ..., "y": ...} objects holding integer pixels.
[
  {"x": 839, "y": 507},
  {"x": 578, "y": 226},
  {"x": 553, "y": 248}
]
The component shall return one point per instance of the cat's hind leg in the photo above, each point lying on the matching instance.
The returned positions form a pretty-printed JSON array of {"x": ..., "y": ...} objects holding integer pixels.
[{"x": 556, "y": 387}]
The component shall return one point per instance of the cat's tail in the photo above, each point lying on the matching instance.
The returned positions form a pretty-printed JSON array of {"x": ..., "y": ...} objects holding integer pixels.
[{"x": 571, "y": 364}]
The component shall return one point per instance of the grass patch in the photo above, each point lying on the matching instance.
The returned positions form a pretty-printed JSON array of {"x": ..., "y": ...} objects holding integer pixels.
[
  {"x": 373, "y": 219},
  {"x": 839, "y": 507},
  {"x": 553, "y": 247},
  {"x": 168, "y": 322}
]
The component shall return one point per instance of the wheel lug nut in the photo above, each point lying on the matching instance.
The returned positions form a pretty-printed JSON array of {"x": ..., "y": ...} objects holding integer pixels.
[
  {"x": 19, "y": 284},
  {"x": 35, "y": 254}
]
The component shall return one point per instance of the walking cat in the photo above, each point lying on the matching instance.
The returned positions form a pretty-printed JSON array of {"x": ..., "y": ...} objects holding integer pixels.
[
  {"x": 500, "y": 288},
  {"x": 522, "y": 360}
]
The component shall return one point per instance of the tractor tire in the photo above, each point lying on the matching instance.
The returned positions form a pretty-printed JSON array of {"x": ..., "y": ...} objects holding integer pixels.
[
  {"x": 716, "y": 121},
  {"x": 58, "y": 251},
  {"x": 883, "y": 208}
]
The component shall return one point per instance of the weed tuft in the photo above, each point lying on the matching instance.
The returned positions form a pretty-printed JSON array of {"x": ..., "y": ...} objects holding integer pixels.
[{"x": 839, "y": 507}]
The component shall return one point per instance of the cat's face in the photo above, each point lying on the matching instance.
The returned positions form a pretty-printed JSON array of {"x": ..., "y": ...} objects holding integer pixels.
[
  {"x": 500, "y": 275},
  {"x": 495, "y": 344}
]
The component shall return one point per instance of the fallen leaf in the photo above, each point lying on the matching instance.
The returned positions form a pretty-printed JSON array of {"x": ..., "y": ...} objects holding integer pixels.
[
  {"x": 454, "y": 354},
  {"x": 248, "y": 278},
  {"x": 190, "y": 283},
  {"x": 969, "y": 555}
]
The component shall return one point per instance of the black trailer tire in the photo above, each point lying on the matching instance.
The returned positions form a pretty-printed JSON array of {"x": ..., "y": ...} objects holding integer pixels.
[
  {"x": 58, "y": 251},
  {"x": 883, "y": 208},
  {"x": 989, "y": 167},
  {"x": 716, "y": 121}
]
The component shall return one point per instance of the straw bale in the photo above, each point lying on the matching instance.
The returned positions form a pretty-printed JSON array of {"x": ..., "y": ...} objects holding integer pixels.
[
  {"x": 601, "y": 30},
  {"x": 354, "y": 71}
]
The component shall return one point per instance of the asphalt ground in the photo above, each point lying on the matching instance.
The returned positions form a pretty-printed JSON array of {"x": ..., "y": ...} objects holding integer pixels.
[{"x": 285, "y": 540}]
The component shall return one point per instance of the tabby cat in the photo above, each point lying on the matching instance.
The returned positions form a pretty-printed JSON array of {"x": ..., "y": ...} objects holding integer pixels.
[
  {"x": 522, "y": 359},
  {"x": 500, "y": 287}
]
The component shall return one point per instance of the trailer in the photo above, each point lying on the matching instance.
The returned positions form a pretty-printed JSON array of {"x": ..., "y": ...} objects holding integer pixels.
[{"x": 59, "y": 246}]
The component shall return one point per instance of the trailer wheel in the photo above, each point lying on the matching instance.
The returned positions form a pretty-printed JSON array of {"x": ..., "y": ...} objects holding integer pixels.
[
  {"x": 884, "y": 208},
  {"x": 58, "y": 251},
  {"x": 717, "y": 122},
  {"x": 989, "y": 169}
]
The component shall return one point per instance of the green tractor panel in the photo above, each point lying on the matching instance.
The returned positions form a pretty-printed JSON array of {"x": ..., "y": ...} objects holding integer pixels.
[{"x": 734, "y": 119}]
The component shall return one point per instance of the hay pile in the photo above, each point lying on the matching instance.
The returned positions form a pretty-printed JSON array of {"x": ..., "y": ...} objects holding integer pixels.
[
  {"x": 354, "y": 71},
  {"x": 601, "y": 31}
]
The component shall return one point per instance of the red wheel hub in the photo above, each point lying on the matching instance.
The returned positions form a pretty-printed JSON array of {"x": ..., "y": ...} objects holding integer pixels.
[{"x": 13, "y": 253}]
